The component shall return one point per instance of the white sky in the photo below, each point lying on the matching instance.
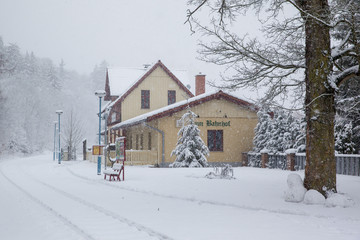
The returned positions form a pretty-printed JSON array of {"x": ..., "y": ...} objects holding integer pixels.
[{"x": 127, "y": 33}]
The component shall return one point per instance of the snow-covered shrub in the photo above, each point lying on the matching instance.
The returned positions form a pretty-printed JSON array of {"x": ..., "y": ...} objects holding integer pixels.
[
  {"x": 295, "y": 191},
  {"x": 313, "y": 197},
  {"x": 338, "y": 200},
  {"x": 225, "y": 172},
  {"x": 254, "y": 159},
  {"x": 190, "y": 151}
]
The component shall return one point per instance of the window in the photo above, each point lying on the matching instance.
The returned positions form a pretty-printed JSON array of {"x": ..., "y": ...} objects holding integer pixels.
[
  {"x": 215, "y": 140},
  {"x": 171, "y": 96},
  {"x": 113, "y": 117},
  {"x": 137, "y": 142},
  {"x": 141, "y": 141},
  {"x": 149, "y": 141},
  {"x": 145, "y": 99},
  {"x": 129, "y": 142}
]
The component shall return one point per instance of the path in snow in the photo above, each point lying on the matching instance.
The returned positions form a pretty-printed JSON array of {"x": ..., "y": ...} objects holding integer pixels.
[
  {"x": 72, "y": 202},
  {"x": 90, "y": 221}
]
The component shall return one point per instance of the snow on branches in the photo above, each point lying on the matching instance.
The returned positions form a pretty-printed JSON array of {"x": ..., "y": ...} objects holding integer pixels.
[{"x": 190, "y": 151}]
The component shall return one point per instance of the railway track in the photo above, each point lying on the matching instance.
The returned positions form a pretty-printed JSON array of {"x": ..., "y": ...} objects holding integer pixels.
[{"x": 89, "y": 220}]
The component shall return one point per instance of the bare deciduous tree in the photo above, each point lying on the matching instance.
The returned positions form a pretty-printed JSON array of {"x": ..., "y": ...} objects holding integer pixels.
[
  {"x": 73, "y": 134},
  {"x": 293, "y": 44}
]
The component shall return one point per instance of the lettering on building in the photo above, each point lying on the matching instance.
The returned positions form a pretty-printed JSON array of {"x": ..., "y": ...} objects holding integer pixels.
[{"x": 210, "y": 123}]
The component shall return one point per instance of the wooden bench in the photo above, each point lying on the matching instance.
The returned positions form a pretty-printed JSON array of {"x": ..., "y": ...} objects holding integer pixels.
[{"x": 115, "y": 172}]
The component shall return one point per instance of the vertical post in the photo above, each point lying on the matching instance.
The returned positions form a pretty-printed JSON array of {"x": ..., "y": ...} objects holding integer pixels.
[
  {"x": 84, "y": 150},
  {"x": 99, "y": 157},
  {"x": 290, "y": 161},
  {"x": 244, "y": 160},
  {"x": 264, "y": 157},
  {"x": 59, "y": 142},
  {"x": 59, "y": 112},
  {"x": 100, "y": 94},
  {"x": 54, "y": 156},
  {"x": 105, "y": 139}
]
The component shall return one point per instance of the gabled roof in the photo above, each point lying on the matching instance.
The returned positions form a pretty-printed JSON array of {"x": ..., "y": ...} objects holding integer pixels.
[
  {"x": 123, "y": 81},
  {"x": 179, "y": 106}
]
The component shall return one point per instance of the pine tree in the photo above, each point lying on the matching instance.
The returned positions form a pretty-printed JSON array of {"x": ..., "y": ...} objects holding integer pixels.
[
  {"x": 190, "y": 150},
  {"x": 278, "y": 134},
  {"x": 262, "y": 129},
  {"x": 344, "y": 138},
  {"x": 300, "y": 139}
]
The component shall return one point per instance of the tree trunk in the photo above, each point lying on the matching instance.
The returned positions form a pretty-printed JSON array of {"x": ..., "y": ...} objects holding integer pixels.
[{"x": 320, "y": 171}]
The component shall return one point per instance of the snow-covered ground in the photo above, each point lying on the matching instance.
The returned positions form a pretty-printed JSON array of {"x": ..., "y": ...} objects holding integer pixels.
[{"x": 41, "y": 199}]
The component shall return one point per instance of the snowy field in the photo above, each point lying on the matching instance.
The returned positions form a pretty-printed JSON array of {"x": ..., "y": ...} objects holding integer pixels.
[{"x": 41, "y": 199}]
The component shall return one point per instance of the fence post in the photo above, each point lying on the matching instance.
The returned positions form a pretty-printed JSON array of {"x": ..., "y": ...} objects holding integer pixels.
[
  {"x": 264, "y": 157},
  {"x": 290, "y": 159},
  {"x": 244, "y": 159}
]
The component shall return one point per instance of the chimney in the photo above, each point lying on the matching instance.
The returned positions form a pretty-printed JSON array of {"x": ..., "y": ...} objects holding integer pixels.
[{"x": 199, "y": 84}]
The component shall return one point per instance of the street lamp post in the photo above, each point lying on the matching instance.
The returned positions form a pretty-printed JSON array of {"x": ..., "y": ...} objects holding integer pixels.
[
  {"x": 100, "y": 94},
  {"x": 54, "y": 157},
  {"x": 106, "y": 115},
  {"x": 59, "y": 112}
]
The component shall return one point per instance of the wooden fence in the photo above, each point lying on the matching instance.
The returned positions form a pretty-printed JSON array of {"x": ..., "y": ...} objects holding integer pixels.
[
  {"x": 141, "y": 157},
  {"x": 347, "y": 164}
]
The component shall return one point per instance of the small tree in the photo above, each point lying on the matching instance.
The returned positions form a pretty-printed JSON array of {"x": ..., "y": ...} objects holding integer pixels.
[
  {"x": 190, "y": 150},
  {"x": 73, "y": 134}
]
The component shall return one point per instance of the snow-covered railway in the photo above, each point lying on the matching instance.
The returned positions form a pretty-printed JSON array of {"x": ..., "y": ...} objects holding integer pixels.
[{"x": 88, "y": 220}]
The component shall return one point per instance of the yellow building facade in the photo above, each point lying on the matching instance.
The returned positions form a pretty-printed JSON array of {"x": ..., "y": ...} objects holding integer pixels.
[
  {"x": 147, "y": 113},
  {"x": 153, "y": 136}
]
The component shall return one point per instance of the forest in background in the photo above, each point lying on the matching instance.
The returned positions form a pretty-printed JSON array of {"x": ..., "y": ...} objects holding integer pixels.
[{"x": 32, "y": 89}]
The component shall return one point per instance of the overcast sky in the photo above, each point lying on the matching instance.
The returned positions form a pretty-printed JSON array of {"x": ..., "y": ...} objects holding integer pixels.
[{"x": 127, "y": 33}]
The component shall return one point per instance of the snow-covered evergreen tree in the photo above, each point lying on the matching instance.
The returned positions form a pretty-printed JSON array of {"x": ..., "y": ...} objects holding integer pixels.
[
  {"x": 293, "y": 132},
  {"x": 344, "y": 138},
  {"x": 279, "y": 133},
  {"x": 98, "y": 75},
  {"x": 262, "y": 130},
  {"x": 300, "y": 139},
  {"x": 190, "y": 151},
  {"x": 348, "y": 109}
]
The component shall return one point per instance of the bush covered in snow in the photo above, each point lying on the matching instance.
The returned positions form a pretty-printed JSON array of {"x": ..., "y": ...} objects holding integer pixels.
[
  {"x": 338, "y": 200},
  {"x": 295, "y": 191},
  {"x": 225, "y": 172},
  {"x": 313, "y": 197}
]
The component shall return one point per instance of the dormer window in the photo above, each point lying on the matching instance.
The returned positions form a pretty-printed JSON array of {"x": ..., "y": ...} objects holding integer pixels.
[{"x": 145, "y": 99}]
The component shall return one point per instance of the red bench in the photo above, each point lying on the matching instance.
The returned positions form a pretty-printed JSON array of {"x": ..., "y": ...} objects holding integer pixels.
[{"x": 114, "y": 173}]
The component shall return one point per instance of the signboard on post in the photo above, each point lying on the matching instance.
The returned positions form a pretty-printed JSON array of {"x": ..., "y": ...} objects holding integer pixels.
[
  {"x": 97, "y": 149},
  {"x": 120, "y": 146}
]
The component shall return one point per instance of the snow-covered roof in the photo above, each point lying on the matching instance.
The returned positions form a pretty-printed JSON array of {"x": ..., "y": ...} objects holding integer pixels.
[
  {"x": 122, "y": 79},
  {"x": 178, "y": 106}
]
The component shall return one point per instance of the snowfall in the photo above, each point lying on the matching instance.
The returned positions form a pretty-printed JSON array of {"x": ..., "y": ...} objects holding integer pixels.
[{"x": 41, "y": 199}]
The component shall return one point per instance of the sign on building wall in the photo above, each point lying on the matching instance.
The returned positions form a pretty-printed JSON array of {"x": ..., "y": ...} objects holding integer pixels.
[
  {"x": 120, "y": 146},
  {"x": 207, "y": 123},
  {"x": 97, "y": 149}
]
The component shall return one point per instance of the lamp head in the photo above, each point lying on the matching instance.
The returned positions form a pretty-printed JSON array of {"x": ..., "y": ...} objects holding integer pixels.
[
  {"x": 100, "y": 93},
  {"x": 59, "y": 112}
]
